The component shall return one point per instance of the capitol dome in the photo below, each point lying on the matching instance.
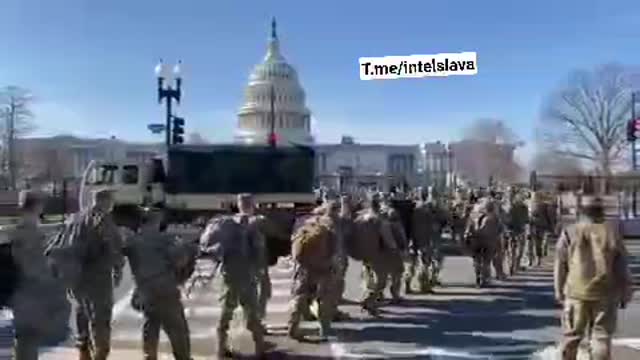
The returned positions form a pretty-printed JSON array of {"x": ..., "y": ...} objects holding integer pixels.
[{"x": 274, "y": 98}]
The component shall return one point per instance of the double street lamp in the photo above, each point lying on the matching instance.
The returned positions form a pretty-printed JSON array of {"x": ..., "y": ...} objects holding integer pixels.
[{"x": 169, "y": 92}]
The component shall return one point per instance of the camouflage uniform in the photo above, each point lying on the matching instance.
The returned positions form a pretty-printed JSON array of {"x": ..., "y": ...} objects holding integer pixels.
[
  {"x": 377, "y": 268},
  {"x": 93, "y": 297},
  {"x": 421, "y": 249},
  {"x": 517, "y": 217},
  {"x": 155, "y": 259},
  {"x": 481, "y": 236},
  {"x": 592, "y": 279},
  {"x": 396, "y": 261},
  {"x": 240, "y": 260},
  {"x": 539, "y": 224},
  {"x": 263, "y": 278},
  {"x": 316, "y": 283},
  {"x": 38, "y": 295}
]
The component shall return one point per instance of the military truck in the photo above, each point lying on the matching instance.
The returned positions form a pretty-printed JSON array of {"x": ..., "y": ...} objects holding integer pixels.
[{"x": 196, "y": 182}]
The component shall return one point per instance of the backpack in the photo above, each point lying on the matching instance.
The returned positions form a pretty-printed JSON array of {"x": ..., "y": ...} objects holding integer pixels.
[
  {"x": 310, "y": 244},
  {"x": 365, "y": 241},
  {"x": 67, "y": 250},
  {"x": 9, "y": 275},
  {"x": 223, "y": 237}
]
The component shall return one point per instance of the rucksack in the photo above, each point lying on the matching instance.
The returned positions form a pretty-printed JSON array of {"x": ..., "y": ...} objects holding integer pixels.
[
  {"x": 365, "y": 241},
  {"x": 310, "y": 244},
  {"x": 9, "y": 275},
  {"x": 223, "y": 239},
  {"x": 67, "y": 250}
]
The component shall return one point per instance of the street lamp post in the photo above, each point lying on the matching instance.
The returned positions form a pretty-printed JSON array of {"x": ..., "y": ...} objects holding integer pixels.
[{"x": 166, "y": 91}]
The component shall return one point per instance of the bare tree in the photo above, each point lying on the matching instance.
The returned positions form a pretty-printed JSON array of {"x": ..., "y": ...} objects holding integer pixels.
[
  {"x": 586, "y": 119},
  {"x": 15, "y": 121},
  {"x": 197, "y": 138}
]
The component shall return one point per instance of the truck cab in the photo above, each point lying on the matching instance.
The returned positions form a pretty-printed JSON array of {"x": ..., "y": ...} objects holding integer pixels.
[{"x": 133, "y": 183}]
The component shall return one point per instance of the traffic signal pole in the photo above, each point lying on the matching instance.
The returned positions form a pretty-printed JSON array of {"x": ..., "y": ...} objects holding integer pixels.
[{"x": 634, "y": 155}]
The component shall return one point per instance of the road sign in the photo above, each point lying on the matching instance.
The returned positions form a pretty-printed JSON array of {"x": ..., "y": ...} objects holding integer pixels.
[{"x": 156, "y": 128}]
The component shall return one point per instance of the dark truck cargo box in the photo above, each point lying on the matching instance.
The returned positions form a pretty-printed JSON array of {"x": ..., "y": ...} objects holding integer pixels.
[{"x": 232, "y": 169}]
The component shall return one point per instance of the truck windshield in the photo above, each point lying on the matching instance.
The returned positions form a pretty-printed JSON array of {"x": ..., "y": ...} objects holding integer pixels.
[{"x": 103, "y": 175}]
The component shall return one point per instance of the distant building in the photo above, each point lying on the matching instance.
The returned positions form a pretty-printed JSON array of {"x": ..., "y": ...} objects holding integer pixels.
[
  {"x": 348, "y": 164},
  {"x": 65, "y": 156}
]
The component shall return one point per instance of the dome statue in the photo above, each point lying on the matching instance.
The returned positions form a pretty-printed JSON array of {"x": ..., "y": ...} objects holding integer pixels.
[{"x": 274, "y": 102}]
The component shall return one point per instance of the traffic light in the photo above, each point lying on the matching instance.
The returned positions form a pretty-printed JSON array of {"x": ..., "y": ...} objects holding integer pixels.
[
  {"x": 633, "y": 130},
  {"x": 272, "y": 140},
  {"x": 178, "y": 130}
]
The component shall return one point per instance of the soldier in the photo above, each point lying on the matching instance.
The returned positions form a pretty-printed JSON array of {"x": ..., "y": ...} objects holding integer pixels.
[
  {"x": 517, "y": 217},
  {"x": 481, "y": 237},
  {"x": 345, "y": 223},
  {"x": 421, "y": 249},
  {"x": 156, "y": 260},
  {"x": 235, "y": 243},
  {"x": 592, "y": 279},
  {"x": 380, "y": 246},
  {"x": 38, "y": 295},
  {"x": 539, "y": 224},
  {"x": 437, "y": 221},
  {"x": 458, "y": 216},
  {"x": 315, "y": 273},
  {"x": 93, "y": 297},
  {"x": 396, "y": 258}
]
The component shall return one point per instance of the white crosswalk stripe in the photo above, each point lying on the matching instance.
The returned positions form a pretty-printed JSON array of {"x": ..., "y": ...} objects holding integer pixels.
[{"x": 203, "y": 309}]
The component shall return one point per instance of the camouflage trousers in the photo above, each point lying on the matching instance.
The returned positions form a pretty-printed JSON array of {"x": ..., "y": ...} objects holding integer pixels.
[
  {"x": 514, "y": 244},
  {"x": 419, "y": 262},
  {"x": 310, "y": 285},
  {"x": 498, "y": 256},
  {"x": 162, "y": 309},
  {"x": 593, "y": 319},
  {"x": 264, "y": 293},
  {"x": 395, "y": 265},
  {"x": 340, "y": 273},
  {"x": 93, "y": 322},
  {"x": 535, "y": 245},
  {"x": 240, "y": 291},
  {"x": 482, "y": 259},
  {"x": 376, "y": 272}
]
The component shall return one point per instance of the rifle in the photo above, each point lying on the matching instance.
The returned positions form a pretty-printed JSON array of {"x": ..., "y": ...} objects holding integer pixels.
[{"x": 200, "y": 278}]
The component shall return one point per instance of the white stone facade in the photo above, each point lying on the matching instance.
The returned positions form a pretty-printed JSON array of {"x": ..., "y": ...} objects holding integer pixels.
[{"x": 274, "y": 94}]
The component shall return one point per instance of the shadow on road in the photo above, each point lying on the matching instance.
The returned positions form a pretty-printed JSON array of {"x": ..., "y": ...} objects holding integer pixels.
[{"x": 481, "y": 319}]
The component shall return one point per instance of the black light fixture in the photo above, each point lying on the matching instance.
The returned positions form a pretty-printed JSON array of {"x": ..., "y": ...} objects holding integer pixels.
[{"x": 167, "y": 91}]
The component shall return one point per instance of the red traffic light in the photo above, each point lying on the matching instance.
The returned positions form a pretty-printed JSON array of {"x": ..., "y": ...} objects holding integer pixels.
[{"x": 273, "y": 139}]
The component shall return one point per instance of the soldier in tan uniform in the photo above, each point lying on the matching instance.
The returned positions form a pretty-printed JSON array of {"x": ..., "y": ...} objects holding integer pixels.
[
  {"x": 241, "y": 254},
  {"x": 156, "y": 259},
  {"x": 315, "y": 278},
  {"x": 592, "y": 279},
  {"x": 396, "y": 258}
]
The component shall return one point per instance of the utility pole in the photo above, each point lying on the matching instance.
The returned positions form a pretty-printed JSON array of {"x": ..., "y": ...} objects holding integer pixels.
[{"x": 11, "y": 129}]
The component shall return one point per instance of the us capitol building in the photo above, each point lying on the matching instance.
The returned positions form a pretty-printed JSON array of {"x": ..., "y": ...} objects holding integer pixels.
[
  {"x": 275, "y": 100},
  {"x": 274, "y": 92}
]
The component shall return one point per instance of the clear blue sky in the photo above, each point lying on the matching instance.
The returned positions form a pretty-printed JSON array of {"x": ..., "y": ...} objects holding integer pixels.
[{"x": 90, "y": 63}]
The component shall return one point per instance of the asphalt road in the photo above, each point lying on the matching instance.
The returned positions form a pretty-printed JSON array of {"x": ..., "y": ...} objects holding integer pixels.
[{"x": 513, "y": 319}]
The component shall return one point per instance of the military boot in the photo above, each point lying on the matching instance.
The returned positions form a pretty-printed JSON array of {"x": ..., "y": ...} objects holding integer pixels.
[
  {"x": 261, "y": 346},
  {"x": 84, "y": 353},
  {"x": 407, "y": 287},
  {"x": 224, "y": 350}
]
